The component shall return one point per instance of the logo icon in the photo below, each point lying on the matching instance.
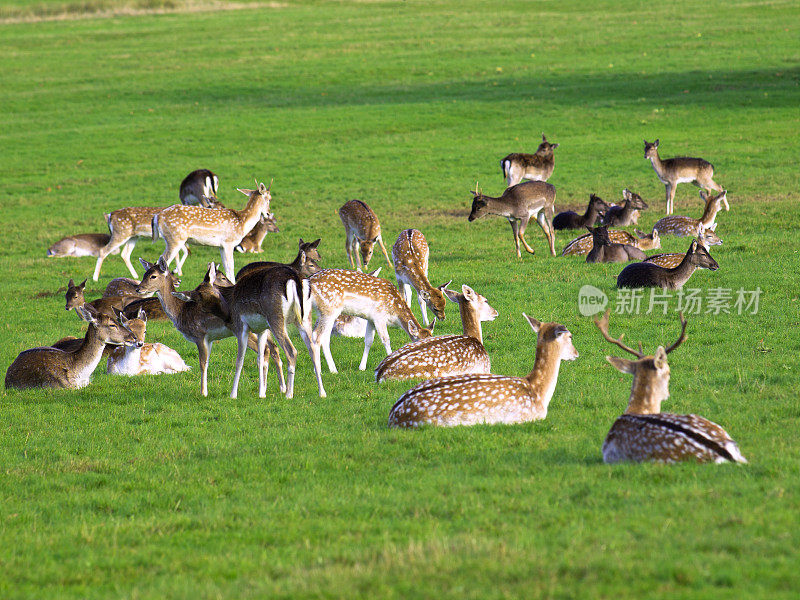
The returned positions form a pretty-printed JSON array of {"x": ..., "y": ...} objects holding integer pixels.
[{"x": 591, "y": 300}]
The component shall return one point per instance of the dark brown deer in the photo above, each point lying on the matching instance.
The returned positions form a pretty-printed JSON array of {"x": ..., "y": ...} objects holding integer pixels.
[
  {"x": 627, "y": 213},
  {"x": 305, "y": 263},
  {"x": 605, "y": 251},
  {"x": 572, "y": 220},
  {"x": 645, "y": 274}
]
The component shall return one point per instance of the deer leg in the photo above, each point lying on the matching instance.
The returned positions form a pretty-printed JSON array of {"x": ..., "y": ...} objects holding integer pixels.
[
  {"x": 670, "y": 197},
  {"x": 369, "y": 335},
  {"x": 522, "y": 227},
  {"x": 515, "y": 230},
  {"x": 348, "y": 244},
  {"x": 263, "y": 363},
  {"x": 383, "y": 334},
  {"x": 313, "y": 352},
  {"x": 110, "y": 247},
  {"x": 322, "y": 337},
  {"x": 423, "y": 309},
  {"x": 275, "y": 356},
  {"x": 386, "y": 254},
  {"x": 182, "y": 259},
  {"x": 203, "y": 352},
  {"x": 125, "y": 254},
  {"x": 169, "y": 254},
  {"x": 541, "y": 219},
  {"x": 291, "y": 356},
  {"x": 242, "y": 334},
  {"x": 227, "y": 262}
]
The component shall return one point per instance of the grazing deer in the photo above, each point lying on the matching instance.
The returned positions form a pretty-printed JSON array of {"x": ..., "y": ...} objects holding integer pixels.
[
  {"x": 605, "y": 251},
  {"x": 688, "y": 227},
  {"x": 673, "y": 259},
  {"x": 337, "y": 291},
  {"x": 126, "y": 225},
  {"x": 444, "y": 355},
  {"x": 583, "y": 244},
  {"x": 305, "y": 263},
  {"x": 410, "y": 256},
  {"x": 647, "y": 274},
  {"x": 199, "y": 188},
  {"x": 143, "y": 358},
  {"x": 363, "y": 230},
  {"x": 627, "y": 213},
  {"x": 644, "y": 433},
  {"x": 537, "y": 167},
  {"x": 518, "y": 204},
  {"x": 571, "y": 220},
  {"x": 484, "y": 398},
  {"x": 222, "y": 227},
  {"x": 82, "y": 244},
  {"x": 50, "y": 367},
  {"x": 253, "y": 240},
  {"x": 680, "y": 169}
]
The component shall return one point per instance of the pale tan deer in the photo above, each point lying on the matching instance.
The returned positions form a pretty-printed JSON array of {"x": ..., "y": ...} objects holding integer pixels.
[
  {"x": 222, "y": 227},
  {"x": 253, "y": 240},
  {"x": 337, "y": 291},
  {"x": 82, "y": 244},
  {"x": 199, "y": 188},
  {"x": 644, "y": 433},
  {"x": 484, "y": 398},
  {"x": 143, "y": 358},
  {"x": 126, "y": 225},
  {"x": 647, "y": 274},
  {"x": 689, "y": 227},
  {"x": 363, "y": 231},
  {"x": 518, "y": 204},
  {"x": 50, "y": 367},
  {"x": 443, "y": 355},
  {"x": 410, "y": 256},
  {"x": 583, "y": 244},
  {"x": 673, "y": 259},
  {"x": 681, "y": 169},
  {"x": 537, "y": 167}
]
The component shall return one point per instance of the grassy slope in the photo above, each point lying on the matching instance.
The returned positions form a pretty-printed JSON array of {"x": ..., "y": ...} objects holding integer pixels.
[{"x": 142, "y": 489}]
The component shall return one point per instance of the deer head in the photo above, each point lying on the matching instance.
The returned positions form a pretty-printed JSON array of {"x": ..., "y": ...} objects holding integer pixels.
[{"x": 650, "y": 150}]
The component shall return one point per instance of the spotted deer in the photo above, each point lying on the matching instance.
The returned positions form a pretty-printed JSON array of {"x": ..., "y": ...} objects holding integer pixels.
[
  {"x": 410, "y": 256},
  {"x": 121, "y": 286},
  {"x": 484, "y": 398},
  {"x": 253, "y": 240},
  {"x": 363, "y": 231},
  {"x": 571, "y": 220},
  {"x": 627, "y": 213},
  {"x": 583, "y": 244},
  {"x": 305, "y": 263},
  {"x": 689, "y": 227},
  {"x": 644, "y": 433},
  {"x": 126, "y": 225},
  {"x": 518, "y": 204},
  {"x": 648, "y": 274},
  {"x": 537, "y": 167},
  {"x": 673, "y": 259},
  {"x": 681, "y": 169},
  {"x": 222, "y": 227},
  {"x": 337, "y": 291},
  {"x": 199, "y": 188},
  {"x": 82, "y": 244},
  {"x": 444, "y": 355},
  {"x": 50, "y": 367},
  {"x": 143, "y": 358},
  {"x": 605, "y": 251}
]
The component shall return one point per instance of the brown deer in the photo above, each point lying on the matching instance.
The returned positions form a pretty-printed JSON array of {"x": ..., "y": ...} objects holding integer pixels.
[
  {"x": 82, "y": 244},
  {"x": 518, "y": 204},
  {"x": 106, "y": 305},
  {"x": 444, "y": 355},
  {"x": 199, "y": 188},
  {"x": 605, "y": 251},
  {"x": 583, "y": 244},
  {"x": 571, "y": 220},
  {"x": 410, "y": 256},
  {"x": 681, "y": 169},
  {"x": 143, "y": 358},
  {"x": 126, "y": 225},
  {"x": 222, "y": 227},
  {"x": 647, "y": 274},
  {"x": 627, "y": 213},
  {"x": 484, "y": 398},
  {"x": 673, "y": 259},
  {"x": 50, "y": 367},
  {"x": 363, "y": 231},
  {"x": 688, "y": 227},
  {"x": 305, "y": 263},
  {"x": 253, "y": 240},
  {"x": 644, "y": 433},
  {"x": 537, "y": 167}
]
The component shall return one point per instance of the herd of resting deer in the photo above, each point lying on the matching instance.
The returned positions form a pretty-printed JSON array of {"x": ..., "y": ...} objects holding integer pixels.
[{"x": 256, "y": 304}]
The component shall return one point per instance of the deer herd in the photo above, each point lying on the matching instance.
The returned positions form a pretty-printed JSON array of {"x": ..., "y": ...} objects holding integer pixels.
[{"x": 257, "y": 304}]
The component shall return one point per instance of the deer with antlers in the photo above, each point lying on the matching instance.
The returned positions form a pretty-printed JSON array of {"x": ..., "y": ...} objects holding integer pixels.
[
  {"x": 644, "y": 433},
  {"x": 536, "y": 167}
]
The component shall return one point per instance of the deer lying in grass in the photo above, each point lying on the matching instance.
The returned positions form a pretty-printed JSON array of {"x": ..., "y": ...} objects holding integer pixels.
[
  {"x": 305, "y": 263},
  {"x": 75, "y": 298},
  {"x": 82, "y": 244},
  {"x": 680, "y": 169},
  {"x": 126, "y": 225},
  {"x": 483, "y": 398},
  {"x": 444, "y": 355},
  {"x": 50, "y": 367},
  {"x": 410, "y": 256},
  {"x": 199, "y": 188},
  {"x": 536, "y": 167},
  {"x": 572, "y": 220},
  {"x": 647, "y": 274},
  {"x": 627, "y": 213},
  {"x": 673, "y": 259},
  {"x": 363, "y": 231},
  {"x": 143, "y": 358},
  {"x": 518, "y": 204},
  {"x": 689, "y": 227},
  {"x": 605, "y": 251},
  {"x": 253, "y": 240},
  {"x": 583, "y": 244},
  {"x": 644, "y": 433}
]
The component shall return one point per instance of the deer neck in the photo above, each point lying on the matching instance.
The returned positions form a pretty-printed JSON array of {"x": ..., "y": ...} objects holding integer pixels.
[
  {"x": 90, "y": 351},
  {"x": 172, "y": 306},
  {"x": 470, "y": 323},
  {"x": 627, "y": 210},
  {"x": 251, "y": 213},
  {"x": 710, "y": 214},
  {"x": 590, "y": 216},
  {"x": 645, "y": 396},
  {"x": 680, "y": 274},
  {"x": 497, "y": 206},
  {"x": 658, "y": 166},
  {"x": 544, "y": 376}
]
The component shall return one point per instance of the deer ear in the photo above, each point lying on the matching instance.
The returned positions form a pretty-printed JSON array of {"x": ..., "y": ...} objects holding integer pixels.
[
  {"x": 262, "y": 188},
  {"x": 71, "y": 283},
  {"x": 83, "y": 284},
  {"x": 376, "y": 272},
  {"x": 443, "y": 287},
  {"x": 535, "y": 325},
  {"x": 660, "y": 359},
  {"x": 544, "y": 139},
  {"x": 622, "y": 364},
  {"x": 469, "y": 293},
  {"x": 244, "y": 191},
  {"x": 162, "y": 264},
  {"x": 87, "y": 313},
  {"x": 120, "y": 316},
  {"x": 704, "y": 195},
  {"x": 413, "y": 330},
  {"x": 656, "y": 142},
  {"x": 147, "y": 265},
  {"x": 553, "y": 146},
  {"x": 316, "y": 242},
  {"x": 451, "y": 295},
  {"x": 141, "y": 315},
  {"x": 424, "y": 295}
]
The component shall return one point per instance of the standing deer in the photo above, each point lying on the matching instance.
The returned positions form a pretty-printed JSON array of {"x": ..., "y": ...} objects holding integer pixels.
[
  {"x": 222, "y": 227},
  {"x": 253, "y": 240},
  {"x": 143, "y": 358},
  {"x": 410, "y": 256},
  {"x": 305, "y": 263},
  {"x": 50, "y": 367},
  {"x": 627, "y": 213},
  {"x": 363, "y": 231},
  {"x": 583, "y": 244},
  {"x": 644, "y": 433},
  {"x": 518, "y": 204},
  {"x": 605, "y": 251},
  {"x": 126, "y": 225},
  {"x": 82, "y": 244},
  {"x": 673, "y": 259},
  {"x": 647, "y": 274},
  {"x": 484, "y": 398},
  {"x": 681, "y": 169},
  {"x": 571, "y": 220},
  {"x": 688, "y": 227},
  {"x": 199, "y": 188},
  {"x": 444, "y": 355},
  {"x": 537, "y": 167}
]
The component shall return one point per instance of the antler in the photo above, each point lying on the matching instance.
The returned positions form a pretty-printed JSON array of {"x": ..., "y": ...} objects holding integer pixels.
[
  {"x": 602, "y": 325},
  {"x": 269, "y": 187},
  {"x": 477, "y": 193},
  {"x": 681, "y": 338}
]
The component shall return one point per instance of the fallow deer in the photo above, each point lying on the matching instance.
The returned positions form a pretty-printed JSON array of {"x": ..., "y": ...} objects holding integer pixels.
[
  {"x": 253, "y": 240},
  {"x": 82, "y": 244},
  {"x": 688, "y": 227},
  {"x": 444, "y": 355},
  {"x": 199, "y": 188},
  {"x": 536, "y": 167},
  {"x": 681, "y": 169},
  {"x": 571, "y": 220},
  {"x": 605, "y": 251},
  {"x": 305, "y": 263},
  {"x": 484, "y": 398},
  {"x": 583, "y": 244},
  {"x": 143, "y": 358},
  {"x": 647, "y": 274},
  {"x": 337, "y": 291},
  {"x": 126, "y": 225},
  {"x": 50, "y": 367},
  {"x": 673, "y": 259},
  {"x": 627, "y": 213},
  {"x": 644, "y": 433},
  {"x": 518, "y": 204},
  {"x": 75, "y": 298},
  {"x": 363, "y": 231},
  {"x": 121, "y": 286},
  {"x": 410, "y": 256}
]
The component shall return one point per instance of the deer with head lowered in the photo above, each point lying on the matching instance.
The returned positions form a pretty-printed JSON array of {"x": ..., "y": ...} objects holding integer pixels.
[
  {"x": 410, "y": 255},
  {"x": 222, "y": 227},
  {"x": 583, "y": 244},
  {"x": 571, "y": 220},
  {"x": 443, "y": 355},
  {"x": 82, "y": 244},
  {"x": 686, "y": 226},
  {"x": 199, "y": 188},
  {"x": 648, "y": 274},
  {"x": 126, "y": 225},
  {"x": 644, "y": 433},
  {"x": 627, "y": 213},
  {"x": 483, "y": 398},
  {"x": 518, "y": 204},
  {"x": 673, "y": 259},
  {"x": 536, "y": 167},
  {"x": 681, "y": 169},
  {"x": 363, "y": 231}
]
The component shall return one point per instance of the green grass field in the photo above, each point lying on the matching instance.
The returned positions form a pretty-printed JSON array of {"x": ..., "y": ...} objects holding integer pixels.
[{"x": 141, "y": 488}]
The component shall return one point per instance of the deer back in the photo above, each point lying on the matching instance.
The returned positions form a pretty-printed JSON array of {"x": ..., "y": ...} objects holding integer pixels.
[
  {"x": 359, "y": 218},
  {"x": 436, "y": 356},
  {"x": 82, "y": 244}
]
